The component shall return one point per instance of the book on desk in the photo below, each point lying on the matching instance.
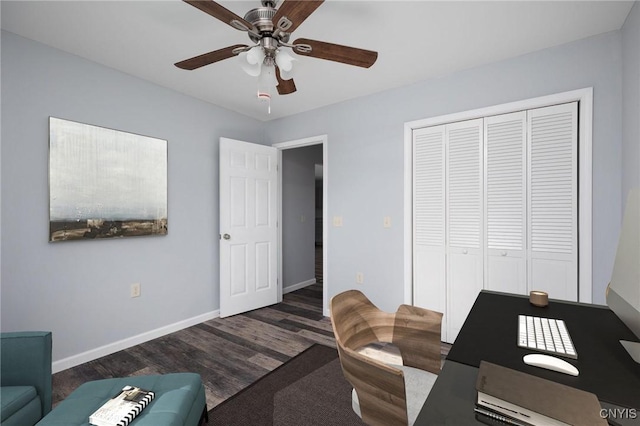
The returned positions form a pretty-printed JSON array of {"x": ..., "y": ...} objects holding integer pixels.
[
  {"x": 530, "y": 400},
  {"x": 122, "y": 408}
]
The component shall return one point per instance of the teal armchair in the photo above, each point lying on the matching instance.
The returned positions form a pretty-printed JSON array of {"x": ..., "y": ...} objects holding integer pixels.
[{"x": 25, "y": 377}]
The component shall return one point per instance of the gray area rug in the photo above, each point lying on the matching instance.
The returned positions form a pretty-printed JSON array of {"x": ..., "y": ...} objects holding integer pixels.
[{"x": 309, "y": 389}]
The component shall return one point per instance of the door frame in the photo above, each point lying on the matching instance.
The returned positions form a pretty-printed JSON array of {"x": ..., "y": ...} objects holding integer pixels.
[
  {"x": 299, "y": 143},
  {"x": 585, "y": 177}
]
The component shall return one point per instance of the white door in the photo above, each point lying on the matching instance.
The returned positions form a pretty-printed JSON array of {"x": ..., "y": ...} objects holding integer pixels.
[
  {"x": 429, "y": 249},
  {"x": 505, "y": 184},
  {"x": 464, "y": 211},
  {"x": 553, "y": 200},
  {"x": 248, "y": 226}
]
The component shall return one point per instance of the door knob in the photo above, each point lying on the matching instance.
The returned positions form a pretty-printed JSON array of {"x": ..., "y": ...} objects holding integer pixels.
[{"x": 226, "y": 236}]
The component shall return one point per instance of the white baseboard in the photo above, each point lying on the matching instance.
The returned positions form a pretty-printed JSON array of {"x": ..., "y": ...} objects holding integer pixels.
[
  {"x": 96, "y": 353},
  {"x": 294, "y": 287}
]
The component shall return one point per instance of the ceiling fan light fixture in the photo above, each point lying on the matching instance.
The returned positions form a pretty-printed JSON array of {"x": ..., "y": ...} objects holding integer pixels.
[
  {"x": 255, "y": 55},
  {"x": 284, "y": 60},
  {"x": 252, "y": 69}
]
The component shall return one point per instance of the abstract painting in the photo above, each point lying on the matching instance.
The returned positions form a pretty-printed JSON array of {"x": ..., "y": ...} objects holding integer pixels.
[{"x": 105, "y": 183}]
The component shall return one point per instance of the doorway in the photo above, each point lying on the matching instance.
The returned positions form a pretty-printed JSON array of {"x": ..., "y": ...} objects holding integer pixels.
[
  {"x": 302, "y": 257},
  {"x": 319, "y": 220}
]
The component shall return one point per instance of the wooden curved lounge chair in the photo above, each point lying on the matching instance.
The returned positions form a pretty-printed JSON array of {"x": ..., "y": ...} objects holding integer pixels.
[{"x": 386, "y": 394}]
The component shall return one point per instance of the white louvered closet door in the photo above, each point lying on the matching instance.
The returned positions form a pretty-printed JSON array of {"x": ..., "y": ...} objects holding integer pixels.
[
  {"x": 429, "y": 219},
  {"x": 553, "y": 215},
  {"x": 464, "y": 217},
  {"x": 505, "y": 138}
]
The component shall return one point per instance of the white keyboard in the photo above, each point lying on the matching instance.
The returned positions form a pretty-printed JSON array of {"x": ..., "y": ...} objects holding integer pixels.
[{"x": 545, "y": 335}]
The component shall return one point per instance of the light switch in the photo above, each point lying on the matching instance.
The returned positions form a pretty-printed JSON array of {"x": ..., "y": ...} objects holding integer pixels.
[
  {"x": 387, "y": 222},
  {"x": 337, "y": 221}
]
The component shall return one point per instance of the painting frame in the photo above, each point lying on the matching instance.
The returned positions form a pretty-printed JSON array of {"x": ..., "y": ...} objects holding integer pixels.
[{"x": 105, "y": 183}]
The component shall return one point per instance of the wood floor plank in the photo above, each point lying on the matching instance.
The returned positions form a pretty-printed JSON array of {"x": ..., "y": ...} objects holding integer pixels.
[
  {"x": 269, "y": 314},
  {"x": 308, "y": 328},
  {"x": 269, "y": 319},
  {"x": 244, "y": 342},
  {"x": 294, "y": 308},
  {"x": 232, "y": 362},
  {"x": 318, "y": 338},
  {"x": 306, "y": 299},
  {"x": 265, "y": 334},
  {"x": 119, "y": 364},
  {"x": 302, "y": 302},
  {"x": 212, "y": 344},
  {"x": 265, "y": 361}
]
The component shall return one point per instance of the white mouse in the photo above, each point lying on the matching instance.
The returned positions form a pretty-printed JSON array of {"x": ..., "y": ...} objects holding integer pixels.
[{"x": 550, "y": 363}]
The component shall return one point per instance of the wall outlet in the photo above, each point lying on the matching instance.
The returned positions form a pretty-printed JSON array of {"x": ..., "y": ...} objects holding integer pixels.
[
  {"x": 135, "y": 290},
  {"x": 359, "y": 278},
  {"x": 337, "y": 221},
  {"x": 387, "y": 222}
]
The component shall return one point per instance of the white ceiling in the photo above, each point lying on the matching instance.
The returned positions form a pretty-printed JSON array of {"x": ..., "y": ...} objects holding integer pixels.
[{"x": 416, "y": 40}]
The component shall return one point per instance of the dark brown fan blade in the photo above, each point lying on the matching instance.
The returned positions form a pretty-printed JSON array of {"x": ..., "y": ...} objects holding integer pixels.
[
  {"x": 284, "y": 87},
  {"x": 338, "y": 53},
  {"x": 296, "y": 12},
  {"x": 221, "y": 13},
  {"x": 208, "y": 58}
]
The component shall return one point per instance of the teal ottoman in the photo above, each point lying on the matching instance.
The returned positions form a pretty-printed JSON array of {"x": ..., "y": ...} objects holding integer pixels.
[{"x": 179, "y": 401}]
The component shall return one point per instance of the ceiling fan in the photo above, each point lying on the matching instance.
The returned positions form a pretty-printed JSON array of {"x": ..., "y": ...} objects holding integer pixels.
[{"x": 270, "y": 29}]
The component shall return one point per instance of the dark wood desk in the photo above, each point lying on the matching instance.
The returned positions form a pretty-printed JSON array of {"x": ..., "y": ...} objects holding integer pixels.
[{"x": 490, "y": 333}]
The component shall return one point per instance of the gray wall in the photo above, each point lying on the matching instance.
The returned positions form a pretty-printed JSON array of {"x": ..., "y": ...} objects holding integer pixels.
[
  {"x": 298, "y": 200},
  {"x": 365, "y": 154},
  {"x": 80, "y": 289},
  {"x": 631, "y": 101}
]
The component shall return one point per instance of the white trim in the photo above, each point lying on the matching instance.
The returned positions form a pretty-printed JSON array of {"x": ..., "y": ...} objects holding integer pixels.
[
  {"x": 298, "y": 143},
  {"x": 298, "y": 286},
  {"x": 129, "y": 342},
  {"x": 408, "y": 214},
  {"x": 585, "y": 196},
  {"x": 585, "y": 179}
]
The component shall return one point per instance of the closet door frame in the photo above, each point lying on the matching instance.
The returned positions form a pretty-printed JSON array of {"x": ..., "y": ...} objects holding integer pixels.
[{"x": 585, "y": 178}]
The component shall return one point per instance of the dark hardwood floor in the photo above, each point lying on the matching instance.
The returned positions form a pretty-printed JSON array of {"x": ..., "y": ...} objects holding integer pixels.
[{"x": 229, "y": 353}]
